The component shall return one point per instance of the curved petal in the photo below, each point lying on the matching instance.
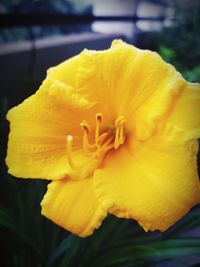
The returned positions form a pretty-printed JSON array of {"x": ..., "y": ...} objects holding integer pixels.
[
  {"x": 185, "y": 115},
  {"x": 39, "y": 126},
  {"x": 131, "y": 82},
  {"x": 73, "y": 205},
  {"x": 101, "y": 77},
  {"x": 156, "y": 184},
  {"x": 65, "y": 72},
  {"x": 126, "y": 80}
]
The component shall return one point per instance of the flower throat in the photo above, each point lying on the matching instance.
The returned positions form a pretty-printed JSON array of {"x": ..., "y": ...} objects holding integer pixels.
[{"x": 103, "y": 142}]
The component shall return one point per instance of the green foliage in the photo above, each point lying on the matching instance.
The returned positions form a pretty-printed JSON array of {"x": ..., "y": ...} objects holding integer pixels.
[
  {"x": 47, "y": 6},
  {"x": 168, "y": 54},
  {"x": 179, "y": 44}
]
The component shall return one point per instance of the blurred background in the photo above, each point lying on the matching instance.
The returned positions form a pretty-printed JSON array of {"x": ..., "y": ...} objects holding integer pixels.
[{"x": 37, "y": 34}]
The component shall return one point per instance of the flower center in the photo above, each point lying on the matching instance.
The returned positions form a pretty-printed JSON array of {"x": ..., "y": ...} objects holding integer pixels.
[{"x": 103, "y": 142}]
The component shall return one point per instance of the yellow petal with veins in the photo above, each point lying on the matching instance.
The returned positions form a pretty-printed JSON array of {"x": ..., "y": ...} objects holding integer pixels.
[
  {"x": 65, "y": 72},
  {"x": 185, "y": 114},
  {"x": 154, "y": 182},
  {"x": 73, "y": 205},
  {"x": 131, "y": 82},
  {"x": 126, "y": 80},
  {"x": 39, "y": 126}
]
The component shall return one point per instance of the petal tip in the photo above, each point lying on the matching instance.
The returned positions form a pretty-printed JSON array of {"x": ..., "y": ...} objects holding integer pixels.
[
  {"x": 117, "y": 42},
  {"x": 81, "y": 215}
]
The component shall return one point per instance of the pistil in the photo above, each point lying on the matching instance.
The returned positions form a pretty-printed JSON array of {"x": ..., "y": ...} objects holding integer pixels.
[{"x": 69, "y": 140}]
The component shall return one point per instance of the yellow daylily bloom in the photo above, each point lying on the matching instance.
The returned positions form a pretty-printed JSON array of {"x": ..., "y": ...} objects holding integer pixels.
[{"x": 116, "y": 131}]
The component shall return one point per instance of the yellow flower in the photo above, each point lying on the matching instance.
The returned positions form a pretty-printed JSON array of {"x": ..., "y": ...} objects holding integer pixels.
[{"x": 116, "y": 131}]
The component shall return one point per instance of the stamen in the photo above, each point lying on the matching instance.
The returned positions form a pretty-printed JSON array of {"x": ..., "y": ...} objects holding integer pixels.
[
  {"x": 119, "y": 134},
  {"x": 116, "y": 142},
  {"x": 69, "y": 140},
  {"x": 108, "y": 144},
  {"x": 99, "y": 117},
  {"x": 86, "y": 144},
  {"x": 102, "y": 144},
  {"x": 102, "y": 138}
]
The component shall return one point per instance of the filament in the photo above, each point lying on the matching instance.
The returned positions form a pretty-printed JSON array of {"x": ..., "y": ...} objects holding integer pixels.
[
  {"x": 99, "y": 117},
  {"x": 86, "y": 144},
  {"x": 119, "y": 133}
]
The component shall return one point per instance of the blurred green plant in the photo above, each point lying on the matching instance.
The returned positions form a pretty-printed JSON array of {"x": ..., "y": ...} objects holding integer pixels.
[
  {"x": 168, "y": 54},
  {"x": 46, "y": 6},
  {"x": 179, "y": 44}
]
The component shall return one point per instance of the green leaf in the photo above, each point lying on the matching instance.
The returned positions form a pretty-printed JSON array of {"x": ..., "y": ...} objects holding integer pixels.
[{"x": 62, "y": 248}]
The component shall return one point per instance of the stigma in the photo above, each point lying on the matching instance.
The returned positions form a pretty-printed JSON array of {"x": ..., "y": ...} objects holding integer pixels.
[{"x": 103, "y": 142}]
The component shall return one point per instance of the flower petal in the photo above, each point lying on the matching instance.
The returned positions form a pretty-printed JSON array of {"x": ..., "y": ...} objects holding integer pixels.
[
  {"x": 66, "y": 71},
  {"x": 156, "y": 183},
  {"x": 185, "y": 115},
  {"x": 73, "y": 205},
  {"x": 39, "y": 126},
  {"x": 131, "y": 82},
  {"x": 101, "y": 77}
]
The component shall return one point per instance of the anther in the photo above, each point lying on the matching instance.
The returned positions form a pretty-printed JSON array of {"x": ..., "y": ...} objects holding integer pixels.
[
  {"x": 120, "y": 120},
  {"x": 85, "y": 126},
  {"x": 99, "y": 117}
]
